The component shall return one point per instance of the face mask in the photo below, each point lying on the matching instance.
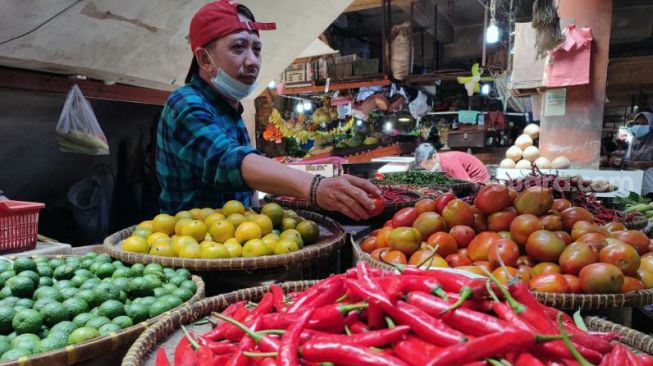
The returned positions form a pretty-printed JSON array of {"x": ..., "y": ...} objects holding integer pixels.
[
  {"x": 639, "y": 131},
  {"x": 230, "y": 87}
]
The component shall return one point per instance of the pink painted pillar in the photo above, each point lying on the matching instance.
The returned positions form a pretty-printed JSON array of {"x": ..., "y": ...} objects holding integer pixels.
[{"x": 577, "y": 134}]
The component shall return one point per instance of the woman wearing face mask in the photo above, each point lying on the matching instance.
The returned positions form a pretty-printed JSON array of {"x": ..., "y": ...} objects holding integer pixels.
[
  {"x": 640, "y": 152},
  {"x": 455, "y": 164},
  {"x": 204, "y": 157}
]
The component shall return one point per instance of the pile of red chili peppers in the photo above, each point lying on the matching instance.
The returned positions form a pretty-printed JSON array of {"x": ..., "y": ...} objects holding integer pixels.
[{"x": 419, "y": 317}]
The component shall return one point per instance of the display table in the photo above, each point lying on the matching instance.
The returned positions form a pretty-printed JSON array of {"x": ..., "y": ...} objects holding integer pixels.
[{"x": 45, "y": 248}]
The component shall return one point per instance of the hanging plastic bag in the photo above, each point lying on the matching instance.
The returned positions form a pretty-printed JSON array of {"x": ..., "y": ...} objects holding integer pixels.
[
  {"x": 401, "y": 56},
  {"x": 78, "y": 131},
  {"x": 418, "y": 106}
]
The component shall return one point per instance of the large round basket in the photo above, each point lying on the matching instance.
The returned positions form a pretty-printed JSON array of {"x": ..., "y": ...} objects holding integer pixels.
[
  {"x": 167, "y": 332},
  {"x": 332, "y": 237},
  {"x": 101, "y": 346},
  {"x": 390, "y": 207},
  {"x": 558, "y": 301}
]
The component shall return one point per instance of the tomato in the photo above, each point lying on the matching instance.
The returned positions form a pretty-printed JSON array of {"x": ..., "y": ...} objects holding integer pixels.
[
  {"x": 574, "y": 283},
  {"x": 457, "y": 260},
  {"x": 551, "y": 222},
  {"x": 544, "y": 246},
  {"x": 463, "y": 251},
  {"x": 505, "y": 234},
  {"x": 524, "y": 272},
  {"x": 503, "y": 250},
  {"x": 369, "y": 244},
  {"x": 404, "y": 217},
  {"x": 523, "y": 226},
  {"x": 394, "y": 257},
  {"x": 545, "y": 267},
  {"x": 601, "y": 278},
  {"x": 444, "y": 242},
  {"x": 379, "y": 205},
  {"x": 596, "y": 240},
  {"x": 425, "y": 205},
  {"x": 576, "y": 256},
  {"x": 525, "y": 260},
  {"x": 636, "y": 238},
  {"x": 480, "y": 224},
  {"x": 492, "y": 198},
  {"x": 535, "y": 201},
  {"x": 573, "y": 214},
  {"x": 505, "y": 274},
  {"x": 429, "y": 223},
  {"x": 614, "y": 226},
  {"x": 560, "y": 204},
  {"x": 480, "y": 246},
  {"x": 649, "y": 254},
  {"x": 645, "y": 272},
  {"x": 564, "y": 236},
  {"x": 437, "y": 262},
  {"x": 458, "y": 212},
  {"x": 463, "y": 235},
  {"x": 376, "y": 253},
  {"x": 581, "y": 228},
  {"x": 421, "y": 256},
  {"x": 500, "y": 221},
  {"x": 549, "y": 282},
  {"x": 484, "y": 264},
  {"x": 404, "y": 239},
  {"x": 382, "y": 237},
  {"x": 632, "y": 284},
  {"x": 623, "y": 256},
  {"x": 388, "y": 224},
  {"x": 443, "y": 200},
  {"x": 473, "y": 269}
]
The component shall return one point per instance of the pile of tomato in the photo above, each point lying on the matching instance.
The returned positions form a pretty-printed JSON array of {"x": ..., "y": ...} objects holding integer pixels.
[{"x": 545, "y": 242}]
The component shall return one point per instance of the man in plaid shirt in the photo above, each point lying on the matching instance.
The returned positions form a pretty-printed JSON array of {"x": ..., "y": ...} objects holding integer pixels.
[{"x": 204, "y": 157}]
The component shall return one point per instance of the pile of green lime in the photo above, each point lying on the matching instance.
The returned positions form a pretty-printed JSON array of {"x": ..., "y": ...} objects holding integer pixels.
[{"x": 47, "y": 304}]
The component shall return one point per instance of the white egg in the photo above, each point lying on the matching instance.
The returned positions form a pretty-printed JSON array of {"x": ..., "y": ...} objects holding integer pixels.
[
  {"x": 523, "y": 141},
  {"x": 507, "y": 164},
  {"x": 561, "y": 162},
  {"x": 531, "y": 153},
  {"x": 523, "y": 164},
  {"x": 514, "y": 153},
  {"x": 532, "y": 130},
  {"x": 542, "y": 163}
]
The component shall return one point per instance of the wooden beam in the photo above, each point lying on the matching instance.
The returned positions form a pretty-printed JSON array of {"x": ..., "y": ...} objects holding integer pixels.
[
  {"x": 336, "y": 86},
  {"x": 31, "y": 81},
  {"x": 359, "y": 5},
  {"x": 632, "y": 71}
]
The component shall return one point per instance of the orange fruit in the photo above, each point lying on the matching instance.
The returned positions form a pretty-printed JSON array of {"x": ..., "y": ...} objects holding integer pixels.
[
  {"x": 234, "y": 248},
  {"x": 263, "y": 222},
  {"x": 181, "y": 241},
  {"x": 149, "y": 225},
  {"x": 183, "y": 215},
  {"x": 192, "y": 250},
  {"x": 157, "y": 237},
  {"x": 196, "y": 229},
  {"x": 236, "y": 219},
  {"x": 247, "y": 231},
  {"x": 221, "y": 231},
  {"x": 135, "y": 244},
  {"x": 233, "y": 207},
  {"x": 179, "y": 226},
  {"x": 162, "y": 249},
  {"x": 212, "y": 219},
  {"x": 164, "y": 223}
]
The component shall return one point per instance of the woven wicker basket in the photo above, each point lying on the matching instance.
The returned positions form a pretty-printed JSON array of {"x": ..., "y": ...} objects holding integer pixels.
[
  {"x": 100, "y": 346},
  {"x": 558, "y": 301},
  {"x": 332, "y": 237},
  {"x": 167, "y": 331}
]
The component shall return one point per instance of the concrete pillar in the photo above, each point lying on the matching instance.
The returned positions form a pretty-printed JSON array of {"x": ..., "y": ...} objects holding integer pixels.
[{"x": 577, "y": 134}]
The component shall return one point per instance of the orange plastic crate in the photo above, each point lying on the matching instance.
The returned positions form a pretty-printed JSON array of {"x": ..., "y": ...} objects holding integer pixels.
[{"x": 19, "y": 224}]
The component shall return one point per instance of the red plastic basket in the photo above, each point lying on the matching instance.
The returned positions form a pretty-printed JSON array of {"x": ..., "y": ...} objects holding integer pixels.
[{"x": 19, "y": 224}]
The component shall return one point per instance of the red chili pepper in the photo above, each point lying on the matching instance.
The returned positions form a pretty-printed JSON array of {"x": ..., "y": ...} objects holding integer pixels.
[
  {"x": 645, "y": 359},
  {"x": 527, "y": 359},
  {"x": 269, "y": 362},
  {"x": 346, "y": 355},
  {"x": 277, "y": 298},
  {"x": 263, "y": 307},
  {"x": 631, "y": 357},
  {"x": 312, "y": 293},
  {"x": 327, "y": 296},
  {"x": 429, "y": 328},
  {"x": 466, "y": 320},
  {"x": 415, "y": 351},
  {"x": 583, "y": 338},
  {"x": 162, "y": 357},
  {"x": 358, "y": 327},
  {"x": 324, "y": 317},
  {"x": 395, "y": 286},
  {"x": 204, "y": 357},
  {"x": 374, "y": 312},
  {"x": 238, "y": 313},
  {"x": 375, "y": 338},
  {"x": 450, "y": 281},
  {"x": 184, "y": 353},
  {"x": 218, "y": 348},
  {"x": 239, "y": 358},
  {"x": 618, "y": 356},
  {"x": 375, "y": 316},
  {"x": 290, "y": 341},
  {"x": 265, "y": 342}
]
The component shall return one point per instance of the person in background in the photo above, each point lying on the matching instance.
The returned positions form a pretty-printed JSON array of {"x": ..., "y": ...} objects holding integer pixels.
[
  {"x": 456, "y": 164},
  {"x": 640, "y": 151}
]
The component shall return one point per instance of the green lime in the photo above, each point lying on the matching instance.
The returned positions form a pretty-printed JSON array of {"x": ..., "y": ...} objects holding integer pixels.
[
  {"x": 105, "y": 270},
  {"x": 84, "y": 273},
  {"x": 106, "y": 291},
  {"x": 5, "y": 264},
  {"x": 97, "y": 322},
  {"x": 123, "y": 272},
  {"x": 153, "y": 268},
  {"x": 11, "y": 300},
  {"x": 69, "y": 292},
  {"x": 138, "y": 269},
  {"x": 19, "y": 308},
  {"x": 26, "y": 341},
  {"x": 183, "y": 293},
  {"x": 7, "y": 314},
  {"x": 27, "y": 321},
  {"x": 123, "y": 297},
  {"x": 11, "y": 336},
  {"x": 4, "y": 346},
  {"x": 88, "y": 296},
  {"x": 93, "y": 267},
  {"x": 21, "y": 286},
  {"x": 54, "y": 313},
  {"x": 66, "y": 327},
  {"x": 54, "y": 263},
  {"x": 31, "y": 275},
  {"x": 118, "y": 263},
  {"x": 170, "y": 287},
  {"x": 177, "y": 280},
  {"x": 103, "y": 258},
  {"x": 123, "y": 321},
  {"x": 159, "y": 307},
  {"x": 139, "y": 287},
  {"x": 49, "y": 293},
  {"x": 147, "y": 300},
  {"x": 24, "y": 264},
  {"x": 189, "y": 285},
  {"x": 184, "y": 273},
  {"x": 121, "y": 283},
  {"x": 153, "y": 281},
  {"x": 137, "y": 313},
  {"x": 81, "y": 319},
  {"x": 83, "y": 334},
  {"x": 40, "y": 259},
  {"x": 64, "y": 272},
  {"x": 5, "y": 275},
  {"x": 169, "y": 272},
  {"x": 40, "y": 303},
  {"x": 63, "y": 284},
  {"x": 111, "y": 309},
  {"x": 76, "y": 306},
  {"x": 45, "y": 281},
  {"x": 172, "y": 301},
  {"x": 5, "y": 292},
  {"x": 160, "y": 291},
  {"x": 78, "y": 280},
  {"x": 94, "y": 311},
  {"x": 90, "y": 255},
  {"x": 14, "y": 354},
  {"x": 53, "y": 342},
  {"x": 109, "y": 328},
  {"x": 28, "y": 303},
  {"x": 44, "y": 270},
  {"x": 86, "y": 263},
  {"x": 74, "y": 261},
  {"x": 90, "y": 284}
]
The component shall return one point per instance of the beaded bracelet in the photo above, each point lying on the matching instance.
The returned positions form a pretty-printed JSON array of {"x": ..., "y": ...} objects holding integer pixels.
[{"x": 313, "y": 190}]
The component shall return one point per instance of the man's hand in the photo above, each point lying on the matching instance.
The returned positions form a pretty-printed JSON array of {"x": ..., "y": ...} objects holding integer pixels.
[{"x": 347, "y": 195}]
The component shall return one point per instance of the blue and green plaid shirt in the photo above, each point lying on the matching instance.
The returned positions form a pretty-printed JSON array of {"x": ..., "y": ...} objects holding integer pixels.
[{"x": 201, "y": 143}]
